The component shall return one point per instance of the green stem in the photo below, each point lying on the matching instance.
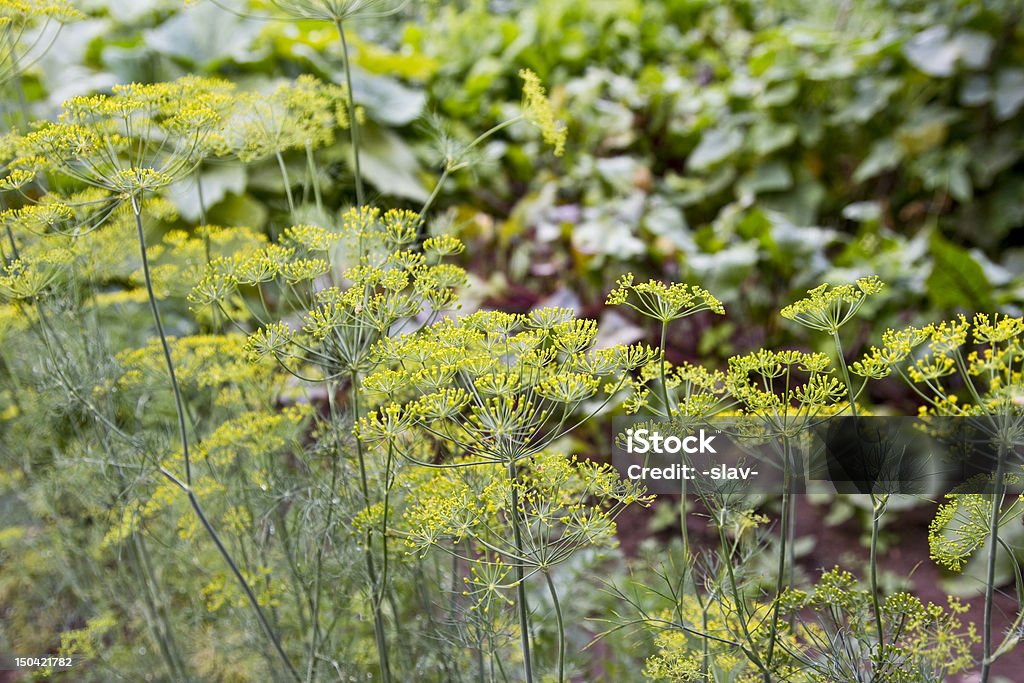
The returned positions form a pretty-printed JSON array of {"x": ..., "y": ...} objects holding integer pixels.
[
  {"x": 993, "y": 550},
  {"x": 353, "y": 118},
  {"x": 741, "y": 613},
  {"x": 161, "y": 625},
  {"x": 314, "y": 636},
  {"x": 376, "y": 588},
  {"x": 517, "y": 537},
  {"x": 664, "y": 371},
  {"x": 437, "y": 189},
  {"x": 202, "y": 214},
  {"x": 202, "y": 203},
  {"x": 559, "y": 625},
  {"x": 878, "y": 508},
  {"x": 183, "y": 434},
  {"x": 846, "y": 373},
  {"x": 315, "y": 178},
  {"x": 453, "y": 164},
  {"x": 783, "y": 550},
  {"x": 287, "y": 185},
  {"x": 14, "y": 245}
]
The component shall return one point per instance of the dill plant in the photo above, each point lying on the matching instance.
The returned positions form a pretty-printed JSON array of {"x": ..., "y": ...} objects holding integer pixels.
[
  {"x": 971, "y": 370},
  {"x": 382, "y": 295},
  {"x": 116, "y": 418},
  {"x": 496, "y": 391},
  {"x": 301, "y": 115},
  {"x": 127, "y": 145},
  {"x": 827, "y": 309}
]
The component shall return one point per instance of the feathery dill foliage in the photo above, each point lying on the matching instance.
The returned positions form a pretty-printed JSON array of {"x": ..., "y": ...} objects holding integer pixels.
[
  {"x": 924, "y": 642},
  {"x": 383, "y": 295},
  {"x": 784, "y": 388},
  {"x": 566, "y": 503},
  {"x": 972, "y": 370},
  {"x": 494, "y": 391}
]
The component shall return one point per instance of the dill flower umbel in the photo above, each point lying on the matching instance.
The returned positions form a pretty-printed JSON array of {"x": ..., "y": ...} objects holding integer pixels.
[
  {"x": 827, "y": 308},
  {"x": 136, "y": 140},
  {"x": 27, "y": 30}
]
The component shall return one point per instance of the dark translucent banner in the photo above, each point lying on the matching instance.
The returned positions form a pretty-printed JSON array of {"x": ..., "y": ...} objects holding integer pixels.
[{"x": 907, "y": 455}]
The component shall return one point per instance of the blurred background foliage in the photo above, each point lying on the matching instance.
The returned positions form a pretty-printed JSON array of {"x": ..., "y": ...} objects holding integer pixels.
[{"x": 758, "y": 148}]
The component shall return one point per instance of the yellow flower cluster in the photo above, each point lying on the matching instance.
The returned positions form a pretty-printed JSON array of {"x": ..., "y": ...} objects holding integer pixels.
[
  {"x": 538, "y": 109},
  {"x": 663, "y": 302},
  {"x": 827, "y": 308}
]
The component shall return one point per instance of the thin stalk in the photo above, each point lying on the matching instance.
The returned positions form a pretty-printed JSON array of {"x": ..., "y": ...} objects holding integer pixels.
[
  {"x": 846, "y": 373},
  {"x": 683, "y": 529},
  {"x": 878, "y": 508},
  {"x": 376, "y": 588},
  {"x": 353, "y": 127},
  {"x": 791, "y": 553},
  {"x": 14, "y": 245},
  {"x": 705, "y": 665},
  {"x": 202, "y": 199},
  {"x": 287, "y": 184},
  {"x": 751, "y": 650},
  {"x": 314, "y": 178},
  {"x": 783, "y": 550},
  {"x": 453, "y": 164},
  {"x": 990, "y": 573},
  {"x": 558, "y": 624},
  {"x": 524, "y": 614},
  {"x": 183, "y": 434},
  {"x": 314, "y": 635},
  {"x": 160, "y": 625},
  {"x": 437, "y": 190},
  {"x": 202, "y": 214},
  {"x": 664, "y": 371}
]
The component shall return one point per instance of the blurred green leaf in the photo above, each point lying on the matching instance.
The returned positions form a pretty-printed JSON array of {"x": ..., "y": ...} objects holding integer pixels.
[
  {"x": 715, "y": 146},
  {"x": 957, "y": 280},
  {"x": 389, "y": 164}
]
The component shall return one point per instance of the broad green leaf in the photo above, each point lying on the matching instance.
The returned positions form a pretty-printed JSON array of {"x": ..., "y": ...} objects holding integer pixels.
[
  {"x": 976, "y": 90},
  {"x": 386, "y": 100},
  {"x": 885, "y": 154},
  {"x": 773, "y": 176},
  {"x": 767, "y": 136},
  {"x": 217, "y": 182},
  {"x": 1009, "y": 93},
  {"x": 935, "y": 52},
  {"x": 239, "y": 209},
  {"x": 204, "y": 34},
  {"x": 872, "y": 97},
  {"x": 956, "y": 280},
  {"x": 389, "y": 163},
  {"x": 715, "y": 146},
  {"x": 863, "y": 212}
]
